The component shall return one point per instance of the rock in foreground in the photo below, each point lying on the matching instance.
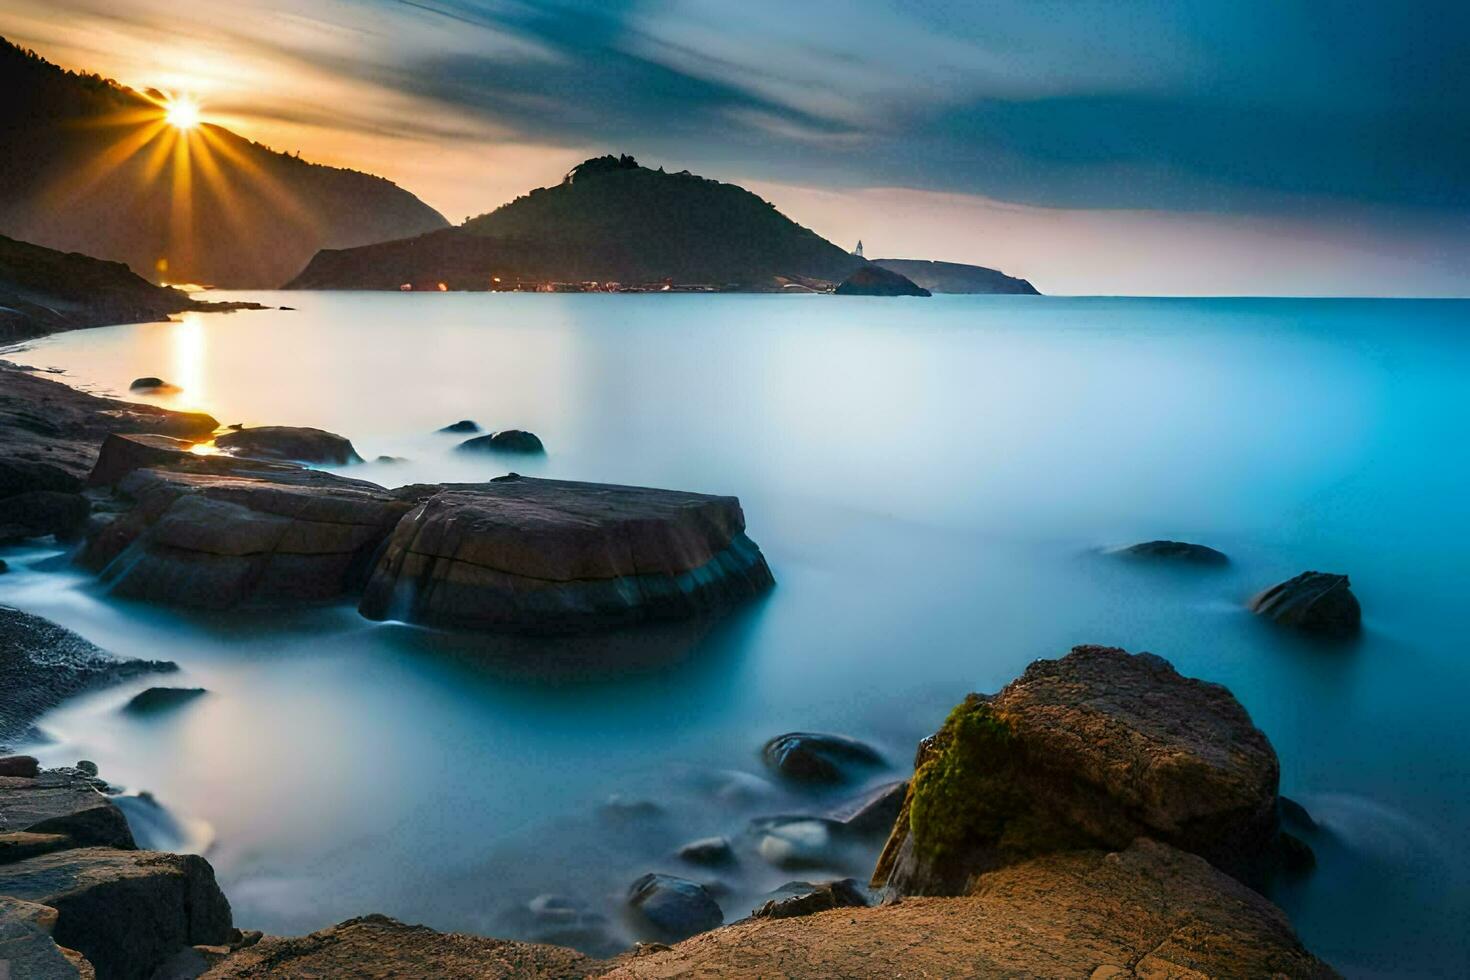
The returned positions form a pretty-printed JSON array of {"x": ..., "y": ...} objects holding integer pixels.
[
  {"x": 1147, "y": 911},
  {"x": 297, "y": 444},
  {"x": 526, "y": 555},
  {"x": 1089, "y": 751},
  {"x": 1316, "y": 602}
]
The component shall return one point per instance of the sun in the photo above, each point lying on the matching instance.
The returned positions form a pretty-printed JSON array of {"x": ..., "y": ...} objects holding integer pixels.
[{"x": 182, "y": 113}]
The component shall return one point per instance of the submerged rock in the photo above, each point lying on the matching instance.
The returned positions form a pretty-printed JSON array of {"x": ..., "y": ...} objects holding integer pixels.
[
  {"x": 125, "y": 911},
  {"x": 462, "y": 426},
  {"x": 1316, "y": 602},
  {"x": 844, "y": 893},
  {"x": 42, "y": 664},
  {"x": 1148, "y": 910},
  {"x": 1092, "y": 750},
  {"x": 153, "y": 386},
  {"x": 670, "y": 909},
  {"x": 526, "y": 555},
  {"x": 505, "y": 441},
  {"x": 162, "y": 698},
  {"x": 811, "y": 757},
  {"x": 797, "y": 842},
  {"x": 296, "y": 444},
  {"x": 1181, "y": 551},
  {"x": 220, "y": 533},
  {"x": 711, "y": 851},
  {"x": 874, "y": 280}
]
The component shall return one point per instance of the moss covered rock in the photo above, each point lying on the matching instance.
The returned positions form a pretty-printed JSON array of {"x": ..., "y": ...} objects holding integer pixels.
[{"x": 1092, "y": 750}]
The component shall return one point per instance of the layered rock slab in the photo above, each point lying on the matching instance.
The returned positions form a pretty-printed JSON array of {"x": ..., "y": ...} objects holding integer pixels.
[
  {"x": 376, "y": 946},
  {"x": 27, "y": 949},
  {"x": 221, "y": 533},
  {"x": 1148, "y": 911},
  {"x": 529, "y": 555},
  {"x": 1092, "y": 750}
]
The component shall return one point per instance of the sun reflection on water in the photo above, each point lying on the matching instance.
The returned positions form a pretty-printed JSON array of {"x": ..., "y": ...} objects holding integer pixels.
[{"x": 190, "y": 347}]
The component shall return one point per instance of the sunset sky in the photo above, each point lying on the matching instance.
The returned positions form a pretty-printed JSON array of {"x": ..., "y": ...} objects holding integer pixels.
[{"x": 1233, "y": 147}]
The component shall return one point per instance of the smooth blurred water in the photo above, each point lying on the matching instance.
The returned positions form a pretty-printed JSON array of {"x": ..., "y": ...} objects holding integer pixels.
[{"x": 930, "y": 480}]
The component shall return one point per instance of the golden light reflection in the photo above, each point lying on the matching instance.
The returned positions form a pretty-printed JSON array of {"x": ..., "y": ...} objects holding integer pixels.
[
  {"x": 189, "y": 342},
  {"x": 204, "y": 449},
  {"x": 181, "y": 112}
]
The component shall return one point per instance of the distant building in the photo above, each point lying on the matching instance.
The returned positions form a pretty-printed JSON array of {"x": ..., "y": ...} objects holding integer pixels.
[{"x": 859, "y": 250}]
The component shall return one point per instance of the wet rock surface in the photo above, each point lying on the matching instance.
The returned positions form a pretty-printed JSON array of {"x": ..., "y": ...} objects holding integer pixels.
[
  {"x": 1176, "y": 551},
  {"x": 1092, "y": 750},
  {"x": 811, "y": 757},
  {"x": 1315, "y": 602},
  {"x": 42, "y": 664},
  {"x": 289, "y": 443},
  {"x": 667, "y": 908},
  {"x": 528, "y": 555}
]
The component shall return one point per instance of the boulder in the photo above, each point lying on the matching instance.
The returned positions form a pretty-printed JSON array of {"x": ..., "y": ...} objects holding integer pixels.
[
  {"x": 20, "y": 765},
  {"x": 121, "y": 453},
  {"x": 162, "y": 699},
  {"x": 874, "y": 280},
  {"x": 668, "y": 909},
  {"x": 153, "y": 386},
  {"x": 68, "y": 805},
  {"x": 223, "y": 533},
  {"x": 42, "y": 664},
  {"x": 27, "y": 951},
  {"x": 43, "y": 513},
  {"x": 505, "y": 441},
  {"x": 291, "y": 443},
  {"x": 874, "y": 812},
  {"x": 844, "y": 893},
  {"x": 125, "y": 911},
  {"x": 709, "y": 851},
  {"x": 1148, "y": 911},
  {"x": 1089, "y": 751},
  {"x": 462, "y": 426},
  {"x": 19, "y": 476},
  {"x": 798, "y": 841},
  {"x": 809, "y": 757},
  {"x": 377, "y": 946},
  {"x": 1180, "y": 551},
  {"x": 1316, "y": 602},
  {"x": 555, "y": 556}
]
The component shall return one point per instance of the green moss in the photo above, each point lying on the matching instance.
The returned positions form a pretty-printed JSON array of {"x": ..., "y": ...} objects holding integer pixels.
[{"x": 963, "y": 794}]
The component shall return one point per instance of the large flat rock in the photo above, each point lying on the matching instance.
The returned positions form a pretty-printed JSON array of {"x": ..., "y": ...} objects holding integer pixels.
[
  {"x": 57, "y": 803},
  {"x": 1092, "y": 750},
  {"x": 222, "y": 533},
  {"x": 42, "y": 664},
  {"x": 1149, "y": 911},
  {"x": 125, "y": 911},
  {"x": 521, "y": 554},
  {"x": 376, "y": 947}
]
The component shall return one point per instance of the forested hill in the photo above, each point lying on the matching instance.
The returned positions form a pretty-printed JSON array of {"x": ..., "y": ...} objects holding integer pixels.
[
  {"x": 608, "y": 220},
  {"x": 88, "y": 165}
]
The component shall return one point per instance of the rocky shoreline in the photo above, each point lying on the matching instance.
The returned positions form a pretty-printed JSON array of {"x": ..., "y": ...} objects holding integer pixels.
[{"x": 1101, "y": 816}]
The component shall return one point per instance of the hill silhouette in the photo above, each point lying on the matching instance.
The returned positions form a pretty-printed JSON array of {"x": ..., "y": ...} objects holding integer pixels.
[
  {"x": 956, "y": 277},
  {"x": 88, "y": 165},
  {"x": 608, "y": 220}
]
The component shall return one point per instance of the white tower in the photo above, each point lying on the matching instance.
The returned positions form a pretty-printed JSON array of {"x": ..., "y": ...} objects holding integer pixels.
[{"x": 859, "y": 250}]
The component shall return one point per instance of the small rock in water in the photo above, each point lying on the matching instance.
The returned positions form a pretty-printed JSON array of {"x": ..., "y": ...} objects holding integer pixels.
[
  {"x": 796, "y": 842},
  {"x": 505, "y": 441},
  {"x": 672, "y": 909},
  {"x": 816, "y": 758},
  {"x": 1184, "y": 551},
  {"x": 463, "y": 425},
  {"x": 1315, "y": 602},
  {"x": 87, "y": 766},
  {"x": 24, "y": 766},
  {"x": 709, "y": 851},
  {"x": 298, "y": 444},
  {"x": 840, "y": 894},
  {"x": 390, "y": 459},
  {"x": 160, "y": 698},
  {"x": 156, "y": 385}
]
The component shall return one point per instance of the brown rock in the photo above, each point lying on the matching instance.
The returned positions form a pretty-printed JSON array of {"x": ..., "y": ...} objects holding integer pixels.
[
  {"x": 1092, "y": 750},
  {"x": 291, "y": 443},
  {"x": 376, "y": 947},
  {"x": 1150, "y": 911},
  {"x": 27, "y": 951},
  {"x": 520, "y": 554},
  {"x": 221, "y": 533},
  {"x": 121, "y": 453},
  {"x": 125, "y": 911},
  {"x": 64, "y": 804},
  {"x": 17, "y": 845},
  {"x": 20, "y": 765}
]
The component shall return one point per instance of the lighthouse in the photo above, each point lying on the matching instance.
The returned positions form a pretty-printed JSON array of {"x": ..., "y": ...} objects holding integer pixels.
[{"x": 858, "y": 251}]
